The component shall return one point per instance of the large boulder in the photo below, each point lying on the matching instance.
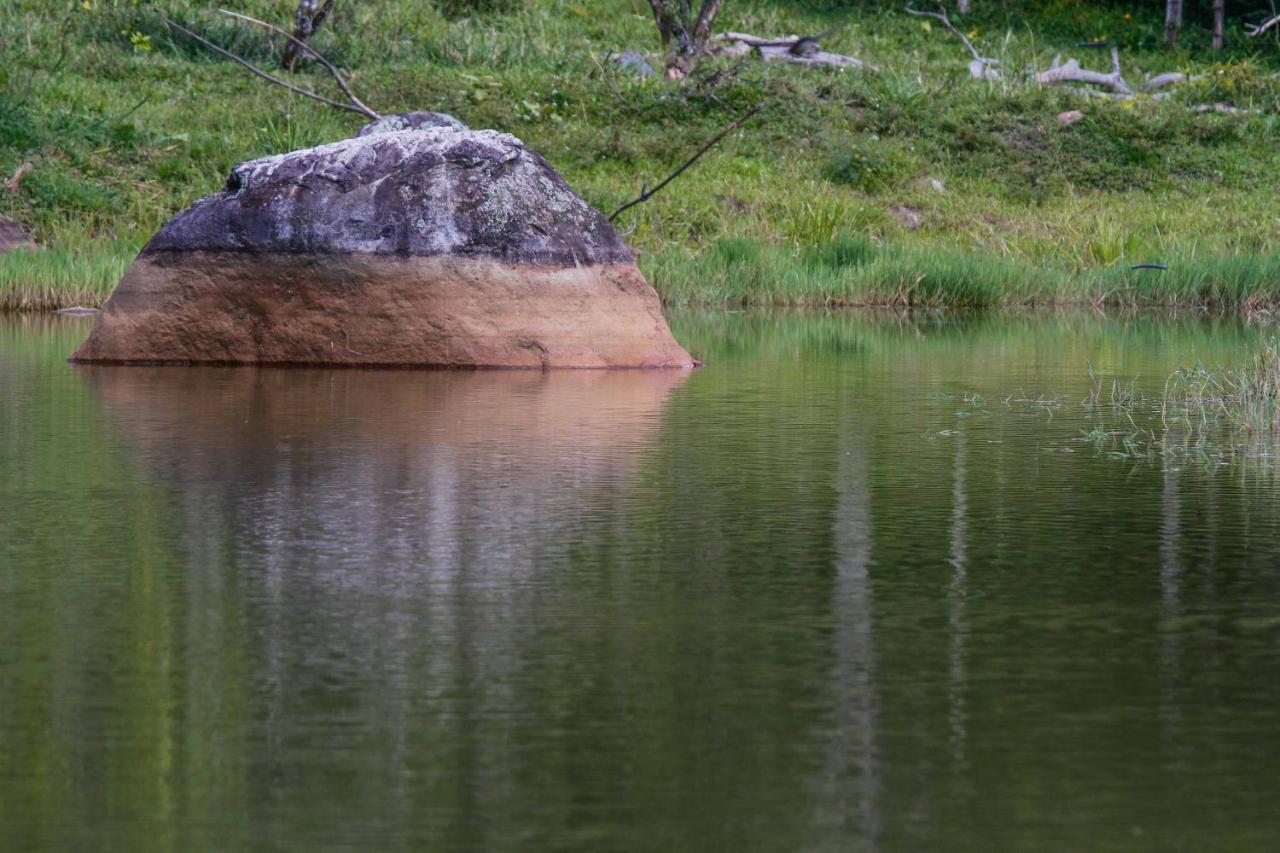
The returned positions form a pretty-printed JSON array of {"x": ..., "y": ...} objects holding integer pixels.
[{"x": 418, "y": 242}]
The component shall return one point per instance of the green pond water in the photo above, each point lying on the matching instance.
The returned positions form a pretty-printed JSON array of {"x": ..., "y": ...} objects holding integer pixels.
[{"x": 861, "y": 583}]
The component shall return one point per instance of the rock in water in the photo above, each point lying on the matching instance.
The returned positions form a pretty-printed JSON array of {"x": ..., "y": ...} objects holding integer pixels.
[{"x": 418, "y": 243}]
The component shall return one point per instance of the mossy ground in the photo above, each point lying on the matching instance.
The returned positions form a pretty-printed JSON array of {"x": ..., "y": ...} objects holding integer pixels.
[{"x": 914, "y": 185}]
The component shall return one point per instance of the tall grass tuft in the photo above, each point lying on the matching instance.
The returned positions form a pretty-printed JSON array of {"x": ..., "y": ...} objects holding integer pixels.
[
  {"x": 1213, "y": 416},
  {"x": 48, "y": 279},
  {"x": 1246, "y": 399},
  {"x": 851, "y": 270}
]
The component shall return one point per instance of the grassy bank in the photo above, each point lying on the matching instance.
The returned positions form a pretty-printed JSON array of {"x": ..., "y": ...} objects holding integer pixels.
[
  {"x": 849, "y": 271},
  {"x": 916, "y": 185},
  {"x": 59, "y": 277}
]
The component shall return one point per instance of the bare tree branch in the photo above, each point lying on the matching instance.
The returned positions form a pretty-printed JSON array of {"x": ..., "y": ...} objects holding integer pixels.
[
  {"x": 1220, "y": 107},
  {"x": 15, "y": 183},
  {"x": 1071, "y": 72},
  {"x": 328, "y": 66},
  {"x": 271, "y": 78},
  {"x": 1158, "y": 82},
  {"x": 1255, "y": 30},
  {"x": 784, "y": 50},
  {"x": 706, "y": 17},
  {"x": 307, "y": 21},
  {"x": 647, "y": 194},
  {"x": 982, "y": 67}
]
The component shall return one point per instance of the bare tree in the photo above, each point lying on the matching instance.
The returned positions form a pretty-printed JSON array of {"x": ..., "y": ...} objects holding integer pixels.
[
  {"x": 1172, "y": 22},
  {"x": 310, "y": 16},
  {"x": 1219, "y": 23},
  {"x": 684, "y": 34},
  {"x": 963, "y": 7}
]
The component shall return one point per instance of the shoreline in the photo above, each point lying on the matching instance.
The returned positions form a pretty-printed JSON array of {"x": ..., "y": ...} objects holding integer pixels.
[{"x": 849, "y": 272}]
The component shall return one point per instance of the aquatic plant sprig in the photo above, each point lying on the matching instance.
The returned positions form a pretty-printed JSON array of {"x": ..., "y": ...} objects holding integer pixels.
[
  {"x": 1211, "y": 417},
  {"x": 1245, "y": 399}
]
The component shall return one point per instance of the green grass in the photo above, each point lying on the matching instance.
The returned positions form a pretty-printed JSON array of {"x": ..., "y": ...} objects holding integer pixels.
[
  {"x": 914, "y": 186},
  {"x": 854, "y": 271},
  {"x": 51, "y": 278}
]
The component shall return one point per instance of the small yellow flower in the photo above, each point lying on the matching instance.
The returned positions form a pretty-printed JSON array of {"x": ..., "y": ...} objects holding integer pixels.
[
  {"x": 140, "y": 41},
  {"x": 1128, "y": 17},
  {"x": 87, "y": 5}
]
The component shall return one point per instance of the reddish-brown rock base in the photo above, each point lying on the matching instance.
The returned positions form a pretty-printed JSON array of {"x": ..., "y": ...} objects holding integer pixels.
[{"x": 379, "y": 311}]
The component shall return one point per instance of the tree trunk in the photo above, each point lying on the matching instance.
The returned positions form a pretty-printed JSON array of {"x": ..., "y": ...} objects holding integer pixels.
[
  {"x": 1173, "y": 22},
  {"x": 306, "y": 21},
  {"x": 1219, "y": 23},
  {"x": 963, "y": 7},
  {"x": 683, "y": 36}
]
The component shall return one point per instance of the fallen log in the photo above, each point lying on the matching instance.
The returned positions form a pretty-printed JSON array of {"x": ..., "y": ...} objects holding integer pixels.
[
  {"x": 1072, "y": 72},
  {"x": 784, "y": 49}
]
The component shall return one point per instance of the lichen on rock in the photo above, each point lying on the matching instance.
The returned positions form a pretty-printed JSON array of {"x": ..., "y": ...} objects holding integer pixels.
[
  {"x": 436, "y": 190},
  {"x": 410, "y": 121}
]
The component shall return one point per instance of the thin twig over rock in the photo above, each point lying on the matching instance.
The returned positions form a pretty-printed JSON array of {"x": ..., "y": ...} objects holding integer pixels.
[
  {"x": 354, "y": 105},
  {"x": 298, "y": 44},
  {"x": 646, "y": 193}
]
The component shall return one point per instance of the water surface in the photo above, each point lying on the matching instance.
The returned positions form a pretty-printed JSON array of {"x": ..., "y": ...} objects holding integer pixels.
[{"x": 846, "y": 588}]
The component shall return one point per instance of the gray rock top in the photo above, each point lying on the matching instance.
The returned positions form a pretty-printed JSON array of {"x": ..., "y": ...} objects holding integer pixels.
[
  {"x": 411, "y": 121},
  {"x": 439, "y": 190}
]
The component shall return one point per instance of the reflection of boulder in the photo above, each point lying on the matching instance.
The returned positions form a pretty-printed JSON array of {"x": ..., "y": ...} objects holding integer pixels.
[
  {"x": 524, "y": 417},
  {"x": 371, "y": 561},
  {"x": 431, "y": 245},
  {"x": 497, "y": 441},
  {"x": 338, "y": 502}
]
